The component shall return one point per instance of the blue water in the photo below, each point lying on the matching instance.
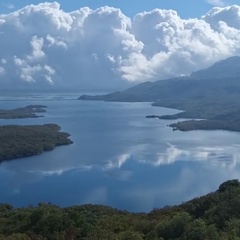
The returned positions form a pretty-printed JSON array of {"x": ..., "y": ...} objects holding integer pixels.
[{"x": 119, "y": 157}]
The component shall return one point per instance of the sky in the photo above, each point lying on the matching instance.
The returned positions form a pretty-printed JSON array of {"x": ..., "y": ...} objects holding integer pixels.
[
  {"x": 112, "y": 44},
  {"x": 185, "y": 8}
]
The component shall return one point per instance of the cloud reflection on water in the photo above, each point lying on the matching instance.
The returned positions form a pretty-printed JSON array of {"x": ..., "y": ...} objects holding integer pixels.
[
  {"x": 137, "y": 179},
  {"x": 224, "y": 156}
]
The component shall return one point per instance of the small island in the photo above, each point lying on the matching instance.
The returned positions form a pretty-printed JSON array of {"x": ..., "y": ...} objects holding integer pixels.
[
  {"x": 153, "y": 116},
  {"x": 28, "y": 140},
  {"x": 30, "y": 111}
]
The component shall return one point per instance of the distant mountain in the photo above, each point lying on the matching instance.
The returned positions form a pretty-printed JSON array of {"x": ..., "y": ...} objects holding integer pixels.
[
  {"x": 229, "y": 67},
  {"x": 212, "y": 93},
  {"x": 221, "y": 79}
]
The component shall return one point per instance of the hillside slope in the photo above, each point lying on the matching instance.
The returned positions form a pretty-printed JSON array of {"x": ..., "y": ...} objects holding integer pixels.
[{"x": 211, "y": 94}]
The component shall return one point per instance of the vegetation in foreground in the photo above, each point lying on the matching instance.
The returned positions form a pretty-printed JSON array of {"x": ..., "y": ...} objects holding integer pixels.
[
  {"x": 215, "y": 216},
  {"x": 30, "y": 111},
  {"x": 22, "y": 141}
]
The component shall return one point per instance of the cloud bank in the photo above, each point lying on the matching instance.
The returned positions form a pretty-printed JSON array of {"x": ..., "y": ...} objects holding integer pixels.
[{"x": 44, "y": 47}]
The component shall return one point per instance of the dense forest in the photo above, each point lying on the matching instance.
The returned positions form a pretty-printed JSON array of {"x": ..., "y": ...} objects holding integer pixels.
[
  {"x": 215, "y": 216},
  {"x": 22, "y": 141}
]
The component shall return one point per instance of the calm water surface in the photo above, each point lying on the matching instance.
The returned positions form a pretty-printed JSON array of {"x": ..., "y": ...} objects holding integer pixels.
[{"x": 119, "y": 158}]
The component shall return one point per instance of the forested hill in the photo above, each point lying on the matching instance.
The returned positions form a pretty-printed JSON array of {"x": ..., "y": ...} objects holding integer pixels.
[
  {"x": 215, "y": 216},
  {"x": 212, "y": 94}
]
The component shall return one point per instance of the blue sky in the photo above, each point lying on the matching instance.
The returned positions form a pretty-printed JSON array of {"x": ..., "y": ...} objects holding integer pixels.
[
  {"x": 44, "y": 46},
  {"x": 185, "y": 8}
]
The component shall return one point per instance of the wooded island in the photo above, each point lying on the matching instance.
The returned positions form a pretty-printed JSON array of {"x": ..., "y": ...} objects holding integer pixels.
[{"x": 19, "y": 141}]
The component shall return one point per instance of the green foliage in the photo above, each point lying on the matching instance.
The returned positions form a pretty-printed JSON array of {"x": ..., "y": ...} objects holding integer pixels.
[
  {"x": 175, "y": 227},
  {"x": 215, "y": 216},
  {"x": 15, "y": 236},
  {"x": 228, "y": 184},
  {"x": 196, "y": 230},
  {"x": 129, "y": 235}
]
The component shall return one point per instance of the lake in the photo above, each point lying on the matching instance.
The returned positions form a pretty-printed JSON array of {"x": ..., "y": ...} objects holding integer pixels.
[{"x": 118, "y": 158}]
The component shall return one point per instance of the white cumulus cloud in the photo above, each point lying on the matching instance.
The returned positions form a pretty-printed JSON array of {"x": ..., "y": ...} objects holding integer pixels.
[{"x": 44, "y": 46}]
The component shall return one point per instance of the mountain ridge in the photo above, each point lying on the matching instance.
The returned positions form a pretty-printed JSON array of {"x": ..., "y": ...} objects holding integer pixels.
[
  {"x": 150, "y": 91},
  {"x": 217, "y": 70},
  {"x": 202, "y": 95}
]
